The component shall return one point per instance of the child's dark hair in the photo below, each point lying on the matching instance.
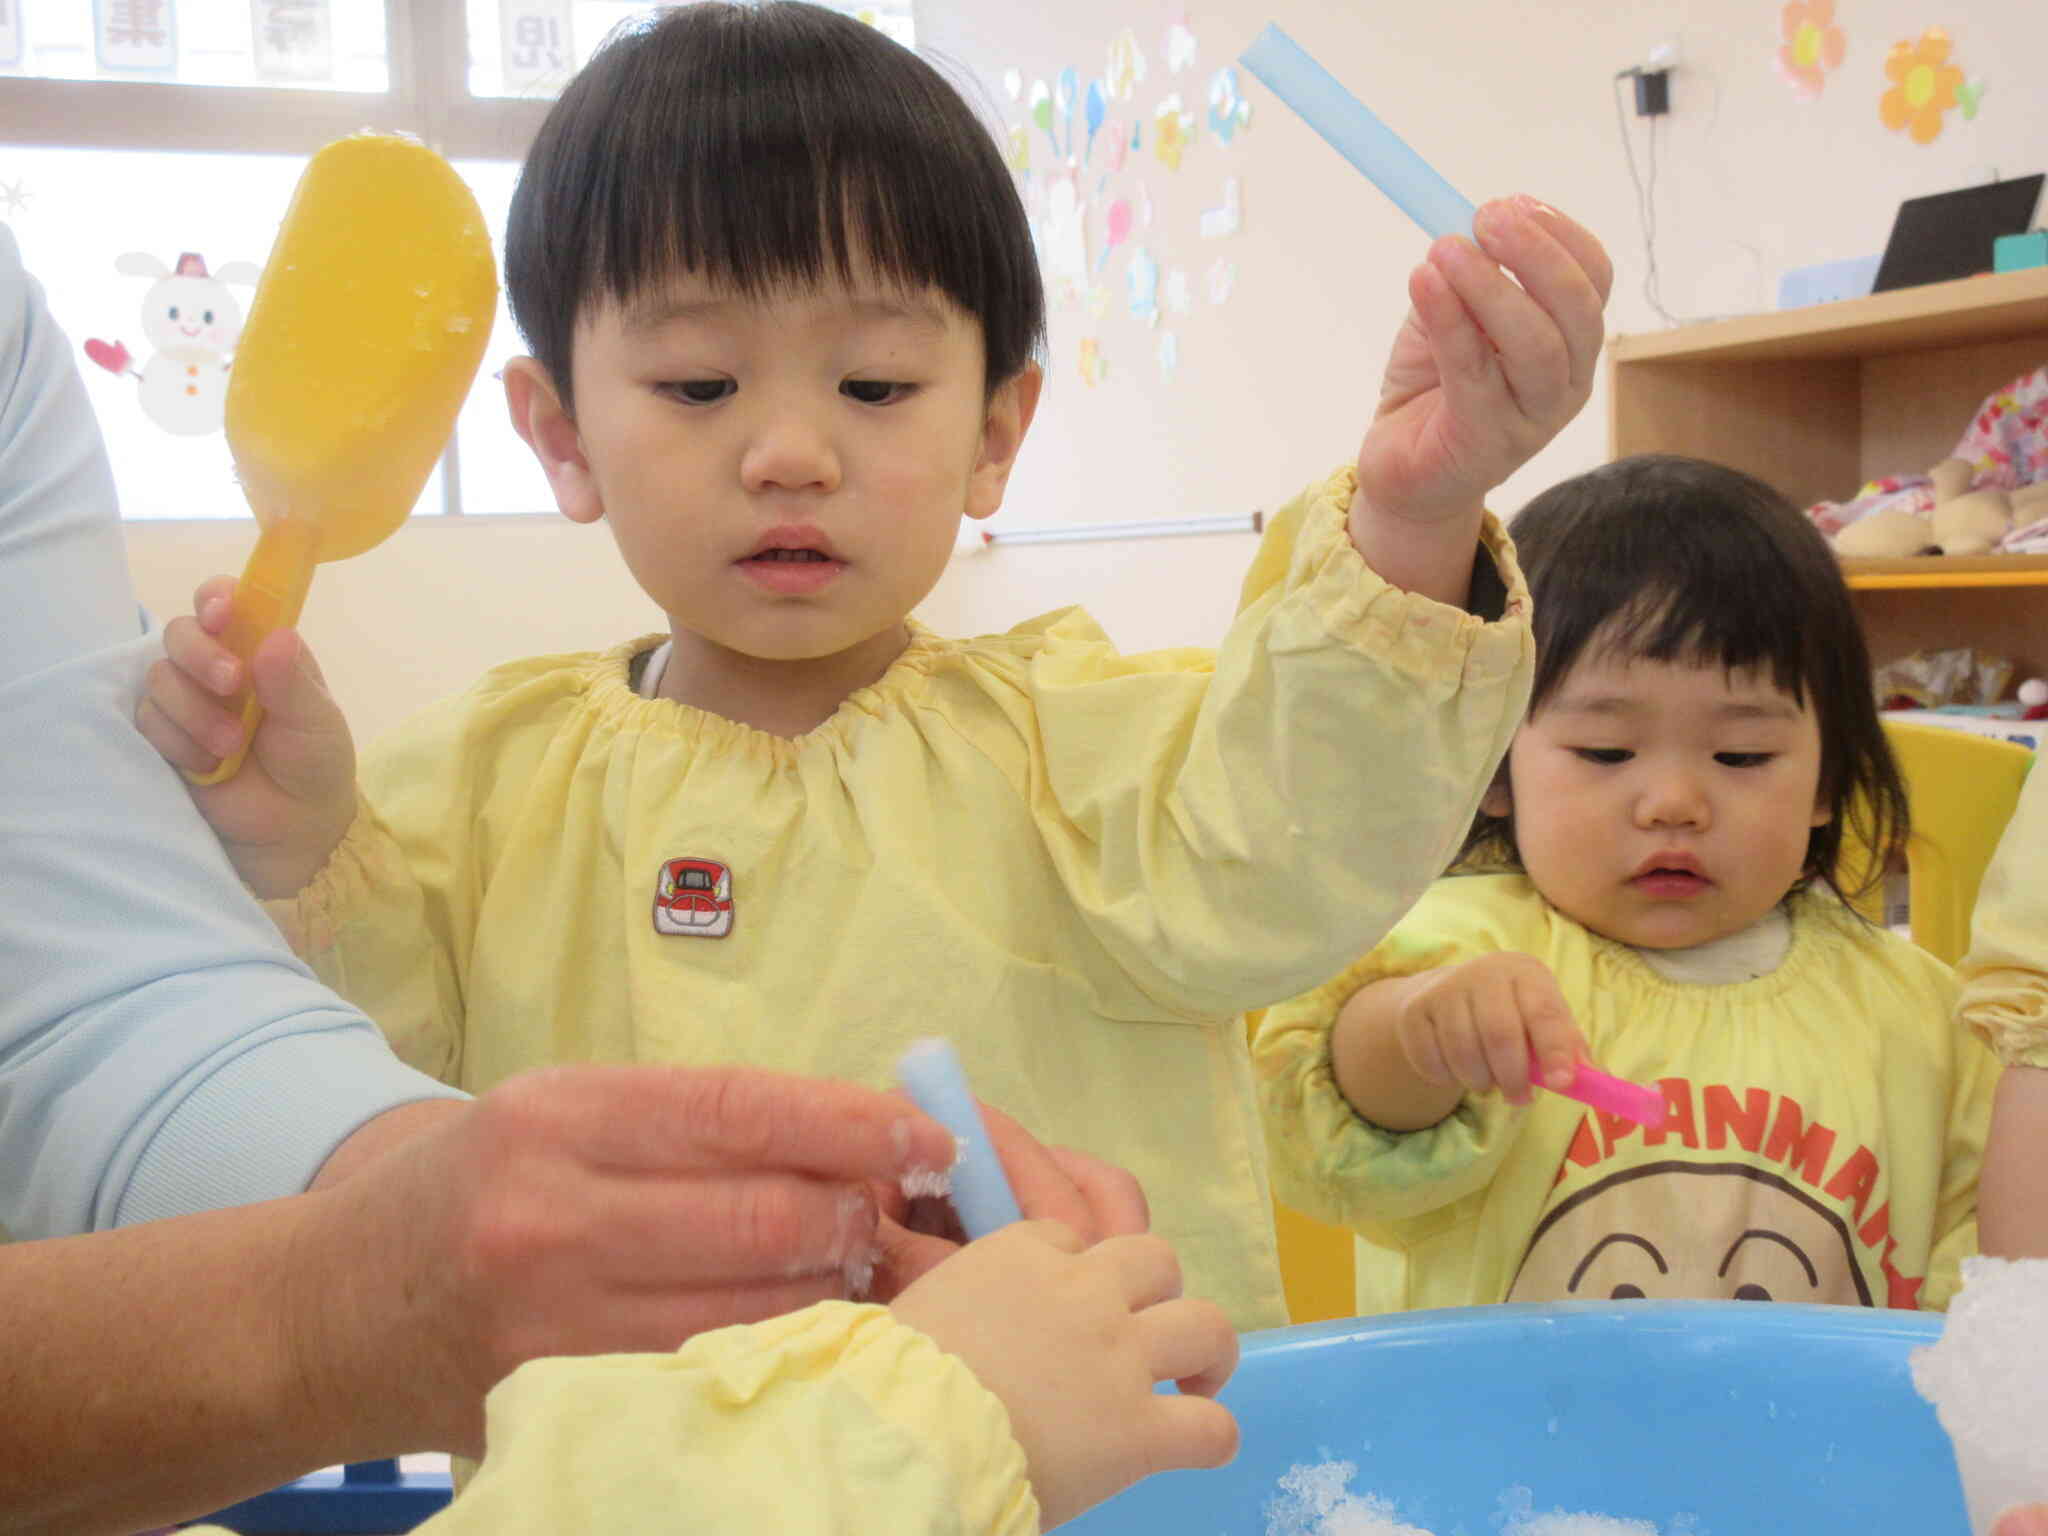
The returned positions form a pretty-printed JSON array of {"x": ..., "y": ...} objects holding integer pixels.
[
  {"x": 762, "y": 145},
  {"x": 1674, "y": 559}
]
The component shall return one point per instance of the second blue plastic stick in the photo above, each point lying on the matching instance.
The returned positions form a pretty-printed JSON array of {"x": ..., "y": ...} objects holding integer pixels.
[
  {"x": 931, "y": 1074},
  {"x": 1351, "y": 129}
]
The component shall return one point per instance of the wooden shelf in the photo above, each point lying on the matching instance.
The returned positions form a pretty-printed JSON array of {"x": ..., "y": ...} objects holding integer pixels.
[
  {"x": 1997, "y": 306},
  {"x": 1866, "y": 574},
  {"x": 1821, "y": 400}
]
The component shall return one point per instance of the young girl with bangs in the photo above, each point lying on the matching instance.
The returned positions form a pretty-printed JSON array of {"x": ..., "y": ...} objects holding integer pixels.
[{"x": 1656, "y": 884}]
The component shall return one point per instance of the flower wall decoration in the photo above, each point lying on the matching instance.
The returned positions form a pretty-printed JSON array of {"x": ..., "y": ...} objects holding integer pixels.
[
  {"x": 1811, "y": 46},
  {"x": 1924, "y": 86}
]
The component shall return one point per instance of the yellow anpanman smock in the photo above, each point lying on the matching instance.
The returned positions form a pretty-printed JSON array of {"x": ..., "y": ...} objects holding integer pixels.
[
  {"x": 1082, "y": 866},
  {"x": 2005, "y": 974},
  {"x": 1826, "y": 1125},
  {"x": 836, "y": 1419}
]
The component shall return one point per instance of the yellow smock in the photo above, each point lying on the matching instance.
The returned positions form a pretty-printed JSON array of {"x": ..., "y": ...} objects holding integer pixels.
[
  {"x": 833, "y": 1421},
  {"x": 1826, "y": 1125},
  {"x": 2005, "y": 974},
  {"x": 1082, "y": 866}
]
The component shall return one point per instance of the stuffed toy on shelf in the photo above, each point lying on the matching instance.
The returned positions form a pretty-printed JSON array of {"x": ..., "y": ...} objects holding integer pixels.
[{"x": 1987, "y": 497}]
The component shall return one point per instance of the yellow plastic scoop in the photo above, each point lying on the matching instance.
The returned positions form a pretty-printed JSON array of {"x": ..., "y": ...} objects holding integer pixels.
[{"x": 364, "y": 335}]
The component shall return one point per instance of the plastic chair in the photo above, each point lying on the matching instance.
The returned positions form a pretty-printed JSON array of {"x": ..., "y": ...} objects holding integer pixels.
[
  {"x": 1315, "y": 1257},
  {"x": 1961, "y": 789},
  {"x": 366, "y": 1498}
]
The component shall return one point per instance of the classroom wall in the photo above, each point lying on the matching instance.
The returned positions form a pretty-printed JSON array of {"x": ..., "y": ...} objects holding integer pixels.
[{"x": 1273, "y": 385}]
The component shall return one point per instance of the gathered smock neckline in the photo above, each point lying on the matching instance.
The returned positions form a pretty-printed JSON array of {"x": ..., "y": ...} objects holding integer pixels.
[{"x": 621, "y": 678}]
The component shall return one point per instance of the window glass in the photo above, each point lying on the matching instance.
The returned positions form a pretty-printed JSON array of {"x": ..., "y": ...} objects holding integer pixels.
[
  {"x": 120, "y": 239},
  {"x": 107, "y": 234},
  {"x": 332, "y": 45},
  {"x": 498, "y": 471}
]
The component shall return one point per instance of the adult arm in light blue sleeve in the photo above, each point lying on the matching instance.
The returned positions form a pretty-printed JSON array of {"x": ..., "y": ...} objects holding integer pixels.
[{"x": 161, "y": 1050}]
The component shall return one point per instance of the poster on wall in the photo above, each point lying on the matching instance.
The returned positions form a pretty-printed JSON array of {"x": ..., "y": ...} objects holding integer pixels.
[
  {"x": 135, "y": 36},
  {"x": 536, "y": 44},
  {"x": 292, "y": 39}
]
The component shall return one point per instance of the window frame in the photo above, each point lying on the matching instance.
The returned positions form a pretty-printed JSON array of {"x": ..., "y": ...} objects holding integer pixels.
[
  {"x": 427, "y": 45},
  {"x": 429, "y": 98}
]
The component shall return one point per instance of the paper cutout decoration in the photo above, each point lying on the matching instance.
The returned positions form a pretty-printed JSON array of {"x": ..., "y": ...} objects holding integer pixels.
[
  {"x": 1116, "y": 135},
  {"x": 1063, "y": 241},
  {"x": 1218, "y": 222},
  {"x": 1116, "y": 223},
  {"x": 1173, "y": 130},
  {"x": 1222, "y": 277},
  {"x": 1019, "y": 151},
  {"x": 1177, "y": 291},
  {"x": 1093, "y": 108},
  {"x": 192, "y": 320},
  {"x": 1168, "y": 352},
  {"x": 1041, "y": 111},
  {"x": 1094, "y": 366},
  {"x": 1924, "y": 86},
  {"x": 1811, "y": 46},
  {"x": 1064, "y": 94},
  {"x": 1141, "y": 282},
  {"x": 1180, "y": 47},
  {"x": 1970, "y": 96},
  {"x": 1228, "y": 110},
  {"x": 1013, "y": 84},
  {"x": 14, "y": 198},
  {"x": 1125, "y": 69}
]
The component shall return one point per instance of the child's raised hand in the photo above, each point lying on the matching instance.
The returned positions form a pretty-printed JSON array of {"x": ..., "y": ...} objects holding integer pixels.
[
  {"x": 1073, "y": 1339},
  {"x": 291, "y": 802},
  {"x": 1475, "y": 1026},
  {"x": 1498, "y": 352}
]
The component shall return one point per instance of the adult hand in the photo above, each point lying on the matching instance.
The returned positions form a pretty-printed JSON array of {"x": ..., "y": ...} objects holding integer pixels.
[
  {"x": 586, "y": 1210},
  {"x": 1095, "y": 1199},
  {"x": 2027, "y": 1520}
]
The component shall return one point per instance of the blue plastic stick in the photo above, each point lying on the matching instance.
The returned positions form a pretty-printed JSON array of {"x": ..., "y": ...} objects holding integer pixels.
[
  {"x": 930, "y": 1073},
  {"x": 1351, "y": 129}
]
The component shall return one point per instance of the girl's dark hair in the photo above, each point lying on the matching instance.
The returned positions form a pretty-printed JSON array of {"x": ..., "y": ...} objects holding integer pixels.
[
  {"x": 762, "y": 145},
  {"x": 1667, "y": 558}
]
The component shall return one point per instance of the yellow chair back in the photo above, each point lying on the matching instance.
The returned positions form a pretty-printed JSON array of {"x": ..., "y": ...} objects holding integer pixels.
[
  {"x": 1315, "y": 1257},
  {"x": 1961, "y": 789}
]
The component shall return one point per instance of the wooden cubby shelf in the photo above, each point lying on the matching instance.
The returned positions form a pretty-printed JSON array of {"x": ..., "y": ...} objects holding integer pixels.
[{"x": 1819, "y": 400}]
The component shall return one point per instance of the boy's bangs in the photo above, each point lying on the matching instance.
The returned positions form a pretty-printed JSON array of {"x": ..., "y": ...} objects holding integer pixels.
[{"x": 759, "y": 179}]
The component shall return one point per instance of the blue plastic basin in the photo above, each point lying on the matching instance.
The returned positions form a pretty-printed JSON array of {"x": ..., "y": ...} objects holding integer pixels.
[{"x": 1750, "y": 1418}]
